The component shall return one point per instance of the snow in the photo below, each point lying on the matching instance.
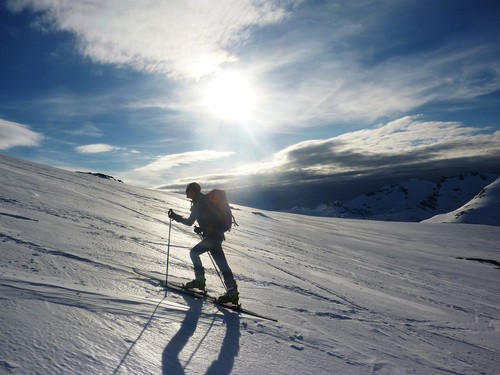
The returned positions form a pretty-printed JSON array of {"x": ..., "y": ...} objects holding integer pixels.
[
  {"x": 484, "y": 208},
  {"x": 415, "y": 200},
  {"x": 350, "y": 296}
]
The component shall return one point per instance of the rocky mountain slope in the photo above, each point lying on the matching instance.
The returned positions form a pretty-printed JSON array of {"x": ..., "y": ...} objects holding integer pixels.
[{"x": 413, "y": 201}]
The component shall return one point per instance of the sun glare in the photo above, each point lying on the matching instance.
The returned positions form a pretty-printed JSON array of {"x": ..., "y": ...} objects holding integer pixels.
[{"x": 230, "y": 96}]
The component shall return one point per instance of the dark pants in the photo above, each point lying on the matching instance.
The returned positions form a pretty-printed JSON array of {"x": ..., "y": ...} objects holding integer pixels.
[{"x": 215, "y": 249}]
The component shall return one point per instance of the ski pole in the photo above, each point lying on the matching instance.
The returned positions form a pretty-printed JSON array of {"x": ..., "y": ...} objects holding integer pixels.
[
  {"x": 168, "y": 256},
  {"x": 216, "y": 269}
]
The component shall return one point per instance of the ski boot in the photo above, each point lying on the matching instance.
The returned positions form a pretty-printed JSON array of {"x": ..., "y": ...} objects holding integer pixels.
[
  {"x": 231, "y": 297},
  {"x": 198, "y": 283}
]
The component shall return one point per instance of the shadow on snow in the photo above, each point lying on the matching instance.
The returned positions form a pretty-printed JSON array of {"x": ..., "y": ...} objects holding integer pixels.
[{"x": 229, "y": 349}]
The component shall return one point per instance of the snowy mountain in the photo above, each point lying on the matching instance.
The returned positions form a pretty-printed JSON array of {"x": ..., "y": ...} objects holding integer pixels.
[
  {"x": 350, "y": 296},
  {"x": 413, "y": 201},
  {"x": 484, "y": 208}
]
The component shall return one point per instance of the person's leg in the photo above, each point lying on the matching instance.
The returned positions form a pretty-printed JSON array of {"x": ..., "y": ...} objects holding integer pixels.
[
  {"x": 221, "y": 262},
  {"x": 195, "y": 253},
  {"x": 199, "y": 271}
]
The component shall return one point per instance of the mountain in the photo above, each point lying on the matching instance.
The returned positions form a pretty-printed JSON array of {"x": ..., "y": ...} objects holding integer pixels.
[
  {"x": 413, "y": 201},
  {"x": 351, "y": 296},
  {"x": 484, "y": 208}
]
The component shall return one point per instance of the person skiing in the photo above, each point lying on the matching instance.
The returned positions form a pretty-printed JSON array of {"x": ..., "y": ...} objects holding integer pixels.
[{"x": 209, "y": 227}]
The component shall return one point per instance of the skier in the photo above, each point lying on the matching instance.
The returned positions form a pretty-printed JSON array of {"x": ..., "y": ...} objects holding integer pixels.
[{"x": 204, "y": 212}]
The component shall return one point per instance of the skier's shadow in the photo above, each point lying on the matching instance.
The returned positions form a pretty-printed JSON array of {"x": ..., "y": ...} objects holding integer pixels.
[
  {"x": 230, "y": 345},
  {"x": 224, "y": 363}
]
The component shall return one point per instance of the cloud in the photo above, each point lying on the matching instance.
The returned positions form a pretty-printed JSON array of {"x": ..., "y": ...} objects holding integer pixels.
[
  {"x": 401, "y": 143},
  {"x": 314, "y": 63},
  {"x": 13, "y": 135},
  {"x": 87, "y": 130},
  {"x": 96, "y": 148},
  {"x": 342, "y": 167},
  {"x": 357, "y": 61},
  {"x": 167, "y": 162},
  {"x": 343, "y": 88},
  {"x": 405, "y": 148},
  {"x": 182, "y": 39}
]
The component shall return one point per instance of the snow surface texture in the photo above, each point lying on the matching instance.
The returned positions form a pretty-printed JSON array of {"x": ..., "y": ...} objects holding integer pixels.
[
  {"x": 351, "y": 296},
  {"x": 418, "y": 200}
]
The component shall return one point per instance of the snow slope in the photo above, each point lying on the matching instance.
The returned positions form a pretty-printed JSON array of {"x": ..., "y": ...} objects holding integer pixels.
[
  {"x": 351, "y": 297},
  {"x": 484, "y": 208}
]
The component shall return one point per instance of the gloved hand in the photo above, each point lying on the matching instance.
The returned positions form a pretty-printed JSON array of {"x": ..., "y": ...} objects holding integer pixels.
[
  {"x": 173, "y": 215},
  {"x": 198, "y": 230}
]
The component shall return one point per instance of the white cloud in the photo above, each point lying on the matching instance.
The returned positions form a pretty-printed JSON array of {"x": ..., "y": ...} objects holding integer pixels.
[
  {"x": 167, "y": 162},
  {"x": 96, "y": 148},
  {"x": 342, "y": 88},
  {"x": 87, "y": 130},
  {"x": 307, "y": 76},
  {"x": 397, "y": 145},
  {"x": 13, "y": 134},
  {"x": 410, "y": 138},
  {"x": 411, "y": 134},
  {"x": 406, "y": 147},
  {"x": 180, "y": 38}
]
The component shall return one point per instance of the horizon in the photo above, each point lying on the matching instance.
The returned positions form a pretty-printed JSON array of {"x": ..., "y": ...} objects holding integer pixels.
[{"x": 267, "y": 97}]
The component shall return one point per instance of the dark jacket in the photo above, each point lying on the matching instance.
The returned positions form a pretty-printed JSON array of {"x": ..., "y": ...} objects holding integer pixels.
[{"x": 207, "y": 215}]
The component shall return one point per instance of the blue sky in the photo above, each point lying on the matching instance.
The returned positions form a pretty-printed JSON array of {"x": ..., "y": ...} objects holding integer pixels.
[{"x": 252, "y": 93}]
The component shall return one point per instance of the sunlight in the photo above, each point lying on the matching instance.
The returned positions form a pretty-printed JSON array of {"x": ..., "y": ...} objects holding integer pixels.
[{"x": 230, "y": 96}]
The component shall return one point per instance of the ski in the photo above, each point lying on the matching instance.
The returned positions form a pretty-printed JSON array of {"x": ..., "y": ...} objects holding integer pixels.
[{"x": 177, "y": 285}]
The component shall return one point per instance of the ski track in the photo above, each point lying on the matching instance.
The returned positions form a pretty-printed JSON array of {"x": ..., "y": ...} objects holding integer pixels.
[{"x": 351, "y": 297}]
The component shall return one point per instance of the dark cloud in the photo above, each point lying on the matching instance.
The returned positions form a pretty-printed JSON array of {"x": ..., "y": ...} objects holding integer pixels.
[
  {"x": 307, "y": 189},
  {"x": 342, "y": 167}
]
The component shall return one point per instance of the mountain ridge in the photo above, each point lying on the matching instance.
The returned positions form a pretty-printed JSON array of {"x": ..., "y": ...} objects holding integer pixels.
[
  {"x": 484, "y": 208},
  {"x": 411, "y": 201}
]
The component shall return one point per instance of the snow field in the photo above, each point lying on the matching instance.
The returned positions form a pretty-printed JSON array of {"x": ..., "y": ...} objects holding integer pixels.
[{"x": 351, "y": 297}]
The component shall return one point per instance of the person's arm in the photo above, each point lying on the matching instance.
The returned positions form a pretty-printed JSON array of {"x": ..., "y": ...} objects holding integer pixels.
[{"x": 189, "y": 221}]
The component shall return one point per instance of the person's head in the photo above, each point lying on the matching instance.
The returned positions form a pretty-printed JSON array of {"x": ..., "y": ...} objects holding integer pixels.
[{"x": 192, "y": 190}]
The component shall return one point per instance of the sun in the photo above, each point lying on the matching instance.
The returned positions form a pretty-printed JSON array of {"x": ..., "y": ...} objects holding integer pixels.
[{"x": 230, "y": 96}]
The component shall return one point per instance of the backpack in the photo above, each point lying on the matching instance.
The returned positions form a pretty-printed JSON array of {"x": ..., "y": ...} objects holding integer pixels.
[{"x": 220, "y": 203}]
